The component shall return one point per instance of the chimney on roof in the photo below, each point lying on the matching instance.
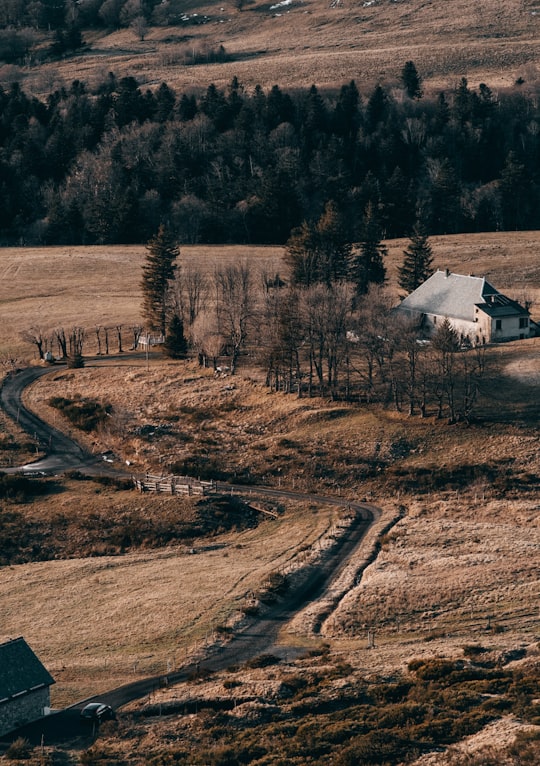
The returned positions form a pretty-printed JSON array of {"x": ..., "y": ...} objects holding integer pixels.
[{"x": 447, "y": 273}]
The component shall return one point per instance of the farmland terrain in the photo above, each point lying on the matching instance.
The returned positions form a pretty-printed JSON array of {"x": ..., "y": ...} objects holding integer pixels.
[
  {"x": 297, "y": 42},
  {"x": 108, "y": 585}
]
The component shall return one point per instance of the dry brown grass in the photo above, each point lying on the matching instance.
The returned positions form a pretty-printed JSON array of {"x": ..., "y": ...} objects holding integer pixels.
[
  {"x": 99, "y": 622},
  {"x": 454, "y": 561},
  {"x": 86, "y": 286},
  {"x": 460, "y": 567},
  {"x": 89, "y": 286},
  {"x": 320, "y": 42}
]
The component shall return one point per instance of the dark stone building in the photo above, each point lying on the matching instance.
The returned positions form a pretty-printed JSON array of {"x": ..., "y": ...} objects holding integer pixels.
[{"x": 24, "y": 685}]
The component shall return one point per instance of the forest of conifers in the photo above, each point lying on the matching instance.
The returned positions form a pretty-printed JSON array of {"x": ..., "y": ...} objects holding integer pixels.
[{"x": 108, "y": 164}]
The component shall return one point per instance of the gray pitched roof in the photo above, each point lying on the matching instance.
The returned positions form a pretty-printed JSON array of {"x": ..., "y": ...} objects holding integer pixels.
[
  {"x": 451, "y": 295},
  {"x": 20, "y": 670}
]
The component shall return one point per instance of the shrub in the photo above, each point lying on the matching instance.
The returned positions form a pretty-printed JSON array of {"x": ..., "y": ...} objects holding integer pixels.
[
  {"x": 75, "y": 362},
  {"x": 231, "y": 683},
  {"x": 20, "y": 488},
  {"x": 114, "y": 482},
  {"x": 473, "y": 650},
  {"x": 19, "y": 750},
  {"x": 373, "y": 748},
  {"x": 434, "y": 670},
  {"x": 83, "y": 413},
  {"x": 526, "y": 748},
  {"x": 263, "y": 661}
]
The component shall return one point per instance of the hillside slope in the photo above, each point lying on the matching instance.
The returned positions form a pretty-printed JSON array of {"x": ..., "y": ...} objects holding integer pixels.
[{"x": 294, "y": 42}]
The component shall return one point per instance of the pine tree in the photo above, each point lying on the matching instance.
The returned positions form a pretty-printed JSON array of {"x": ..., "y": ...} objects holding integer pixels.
[
  {"x": 175, "y": 345},
  {"x": 411, "y": 80},
  {"x": 320, "y": 252},
  {"x": 417, "y": 261},
  {"x": 368, "y": 266},
  {"x": 333, "y": 245},
  {"x": 158, "y": 271},
  {"x": 301, "y": 255},
  {"x": 446, "y": 338}
]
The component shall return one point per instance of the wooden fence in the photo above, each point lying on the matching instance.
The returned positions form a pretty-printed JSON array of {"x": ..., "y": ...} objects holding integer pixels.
[{"x": 174, "y": 485}]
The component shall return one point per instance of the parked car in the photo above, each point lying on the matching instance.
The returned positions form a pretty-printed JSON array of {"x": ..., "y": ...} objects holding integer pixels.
[{"x": 97, "y": 712}]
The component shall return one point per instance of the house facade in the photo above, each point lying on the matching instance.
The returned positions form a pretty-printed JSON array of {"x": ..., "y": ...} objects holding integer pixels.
[
  {"x": 24, "y": 686},
  {"x": 478, "y": 312}
]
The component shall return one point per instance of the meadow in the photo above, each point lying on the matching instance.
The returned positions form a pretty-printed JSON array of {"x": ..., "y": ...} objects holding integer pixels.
[
  {"x": 460, "y": 567},
  {"x": 295, "y": 43}
]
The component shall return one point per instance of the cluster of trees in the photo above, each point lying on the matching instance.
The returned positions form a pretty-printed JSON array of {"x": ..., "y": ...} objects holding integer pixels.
[
  {"x": 109, "y": 164},
  {"x": 321, "y": 336},
  {"x": 70, "y": 344},
  {"x": 321, "y": 252},
  {"x": 79, "y": 14},
  {"x": 24, "y": 24}
]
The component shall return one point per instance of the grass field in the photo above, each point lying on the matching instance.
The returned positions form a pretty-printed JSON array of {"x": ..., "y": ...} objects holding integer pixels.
[
  {"x": 461, "y": 567},
  {"x": 310, "y": 41},
  {"x": 99, "y": 622},
  {"x": 90, "y": 286}
]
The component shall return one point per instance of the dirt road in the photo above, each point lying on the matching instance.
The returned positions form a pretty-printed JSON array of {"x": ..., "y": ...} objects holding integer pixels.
[{"x": 258, "y": 637}]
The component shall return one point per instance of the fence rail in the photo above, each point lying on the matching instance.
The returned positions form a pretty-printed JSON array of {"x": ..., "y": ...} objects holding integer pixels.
[{"x": 174, "y": 485}]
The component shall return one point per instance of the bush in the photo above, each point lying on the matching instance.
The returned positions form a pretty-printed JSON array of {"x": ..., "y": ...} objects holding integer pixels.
[
  {"x": 75, "y": 362},
  {"x": 19, "y": 750},
  {"x": 83, "y": 413},
  {"x": 373, "y": 748},
  {"x": 473, "y": 650},
  {"x": 434, "y": 670},
  {"x": 263, "y": 661},
  {"x": 20, "y": 488}
]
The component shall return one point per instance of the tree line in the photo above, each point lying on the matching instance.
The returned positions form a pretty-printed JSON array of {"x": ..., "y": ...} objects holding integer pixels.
[
  {"x": 319, "y": 338},
  {"x": 108, "y": 164},
  {"x": 323, "y": 337},
  {"x": 79, "y": 14}
]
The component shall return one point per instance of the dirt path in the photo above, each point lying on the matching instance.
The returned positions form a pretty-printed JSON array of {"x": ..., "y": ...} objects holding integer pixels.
[{"x": 259, "y": 636}]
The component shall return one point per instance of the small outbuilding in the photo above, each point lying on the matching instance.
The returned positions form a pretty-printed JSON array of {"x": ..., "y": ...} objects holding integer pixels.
[
  {"x": 476, "y": 310},
  {"x": 24, "y": 685}
]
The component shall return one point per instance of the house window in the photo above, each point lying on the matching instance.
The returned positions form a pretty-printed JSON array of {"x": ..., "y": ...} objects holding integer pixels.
[
  {"x": 498, "y": 324},
  {"x": 523, "y": 322}
]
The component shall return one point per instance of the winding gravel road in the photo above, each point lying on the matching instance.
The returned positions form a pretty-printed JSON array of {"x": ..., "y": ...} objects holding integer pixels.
[
  {"x": 259, "y": 637},
  {"x": 61, "y": 452}
]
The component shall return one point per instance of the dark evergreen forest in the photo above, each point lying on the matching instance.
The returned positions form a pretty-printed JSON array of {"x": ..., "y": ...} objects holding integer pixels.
[{"x": 109, "y": 164}]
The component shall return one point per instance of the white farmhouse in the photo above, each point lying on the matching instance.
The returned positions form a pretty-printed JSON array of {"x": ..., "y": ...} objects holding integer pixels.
[{"x": 477, "y": 311}]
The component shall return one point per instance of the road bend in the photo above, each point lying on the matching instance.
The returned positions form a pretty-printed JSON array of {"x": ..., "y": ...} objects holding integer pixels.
[
  {"x": 61, "y": 452},
  {"x": 260, "y": 634}
]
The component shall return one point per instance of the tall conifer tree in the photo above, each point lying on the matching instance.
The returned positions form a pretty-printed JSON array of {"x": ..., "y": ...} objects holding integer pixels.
[
  {"x": 368, "y": 266},
  {"x": 158, "y": 271},
  {"x": 412, "y": 82},
  {"x": 417, "y": 263}
]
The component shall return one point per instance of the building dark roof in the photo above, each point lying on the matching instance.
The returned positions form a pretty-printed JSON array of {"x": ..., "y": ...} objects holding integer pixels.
[
  {"x": 20, "y": 670},
  {"x": 501, "y": 306}
]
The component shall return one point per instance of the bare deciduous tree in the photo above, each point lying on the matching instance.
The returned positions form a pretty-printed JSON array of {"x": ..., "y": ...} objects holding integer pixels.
[
  {"x": 280, "y": 338},
  {"x": 37, "y": 338},
  {"x": 235, "y": 306},
  {"x": 137, "y": 332},
  {"x": 76, "y": 338},
  {"x": 118, "y": 329},
  {"x": 59, "y": 335},
  {"x": 98, "y": 338},
  {"x": 371, "y": 331},
  {"x": 190, "y": 293},
  {"x": 206, "y": 338}
]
